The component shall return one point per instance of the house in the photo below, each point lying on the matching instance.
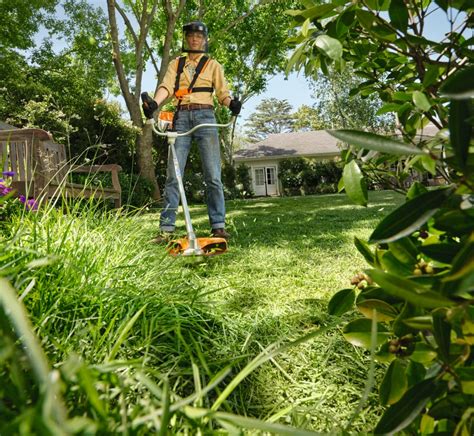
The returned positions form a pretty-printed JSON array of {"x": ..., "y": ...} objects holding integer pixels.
[{"x": 263, "y": 157}]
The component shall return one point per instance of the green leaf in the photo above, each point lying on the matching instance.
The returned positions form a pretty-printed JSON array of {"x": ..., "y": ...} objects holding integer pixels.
[
  {"x": 331, "y": 47},
  {"x": 371, "y": 141},
  {"x": 419, "y": 322},
  {"x": 410, "y": 216},
  {"x": 415, "y": 372},
  {"x": 354, "y": 183},
  {"x": 388, "y": 107},
  {"x": 423, "y": 353},
  {"x": 463, "y": 263},
  {"x": 384, "y": 311},
  {"x": 364, "y": 249},
  {"x": 408, "y": 290},
  {"x": 366, "y": 18},
  {"x": 318, "y": 11},
  {"x": 442, "y": 334},
  {"x": 402, "y": 413},
  {"x": 429, "y": 164},
  {"x": 431, "y": 75},
  {"x": 399, "y": 327},
  {"x": 398, "y": 14},
  {"x": 293, "y": 12},
  {"x": 450, "y": 407},
  {"x": 340, "y": 185},
  {"x": 443, "y": 4},
  {"x": 358, "y": 333},
  {"x": 415, "y": 190},
  {"x": 305, "y": 28},
  {"x": 402, "y": 96},
  {"x": 444, "y": 253},
  {"x": 341, "y": 302},
  {"x": 391, "y": 264},
  {"x": 404, "y": 250},
  {"x": 421, "y": 101},
  {"x": 383, "y": 32},
  {"x": 295, "y": 58},
  {"x": 460, "y": 130},
  {"x": 459, "y": 222},
  {"x": 394, "y": 383},
  {"x": 459, "y": 85}
]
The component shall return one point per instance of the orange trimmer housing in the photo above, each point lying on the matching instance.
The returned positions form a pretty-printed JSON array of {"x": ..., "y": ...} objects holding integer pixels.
[{"x": 209, "y": 246}]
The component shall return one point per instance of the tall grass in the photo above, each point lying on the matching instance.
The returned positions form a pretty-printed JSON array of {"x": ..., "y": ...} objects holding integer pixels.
[{"x": 142, "y": 343}]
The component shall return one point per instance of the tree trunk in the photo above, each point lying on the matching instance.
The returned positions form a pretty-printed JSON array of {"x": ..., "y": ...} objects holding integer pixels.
[
  {"x": 145, "y": 140},
  {"x": 145, "y": 159}
]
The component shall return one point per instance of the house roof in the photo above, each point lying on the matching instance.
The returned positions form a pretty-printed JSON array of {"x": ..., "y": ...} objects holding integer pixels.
[{"x": 296, "y": 144}]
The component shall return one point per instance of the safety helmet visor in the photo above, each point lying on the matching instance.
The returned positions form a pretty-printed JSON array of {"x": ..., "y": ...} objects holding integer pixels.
[{"x": 195, "y": 37}]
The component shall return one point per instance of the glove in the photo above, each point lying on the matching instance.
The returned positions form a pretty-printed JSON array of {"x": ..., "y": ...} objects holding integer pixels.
[
  {"x": 235, "y": 106},
  {"x": 149, "y": 105}
]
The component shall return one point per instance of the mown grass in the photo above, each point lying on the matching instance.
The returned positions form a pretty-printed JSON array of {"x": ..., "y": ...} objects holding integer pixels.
[
  {"x": 124, "y": 322},
  {"x": 287, "y": 257}
]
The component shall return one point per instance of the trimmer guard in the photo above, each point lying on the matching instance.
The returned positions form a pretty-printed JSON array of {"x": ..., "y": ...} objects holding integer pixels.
[{"x": 208, "y": 247}]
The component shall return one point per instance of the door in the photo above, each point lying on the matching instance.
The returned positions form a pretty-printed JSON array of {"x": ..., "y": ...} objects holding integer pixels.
[
  {"x": 271, "y": 180},
  {"x": 259, "y": 181},
  {"x": 265, "y": 182}
]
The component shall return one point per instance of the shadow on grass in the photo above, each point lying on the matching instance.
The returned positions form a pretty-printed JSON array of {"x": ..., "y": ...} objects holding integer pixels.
[{"x": 297, "y": 221}]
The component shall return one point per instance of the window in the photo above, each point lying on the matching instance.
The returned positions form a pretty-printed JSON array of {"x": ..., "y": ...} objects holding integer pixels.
[
  {"x": 271, "y": 179},
  {"x": 259, "y": 176}
]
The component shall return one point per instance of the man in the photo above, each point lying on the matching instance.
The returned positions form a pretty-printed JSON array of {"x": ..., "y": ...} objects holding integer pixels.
[{"x": 194, "y": 94}]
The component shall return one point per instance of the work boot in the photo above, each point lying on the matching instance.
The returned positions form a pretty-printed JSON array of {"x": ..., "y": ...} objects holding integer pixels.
[
  {"x": 162, "y": 238},
  {"x": 220, "y": 233}
]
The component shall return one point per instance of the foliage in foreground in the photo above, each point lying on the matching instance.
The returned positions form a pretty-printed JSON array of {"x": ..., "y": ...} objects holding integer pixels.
[{"x": 417, "y": 297}]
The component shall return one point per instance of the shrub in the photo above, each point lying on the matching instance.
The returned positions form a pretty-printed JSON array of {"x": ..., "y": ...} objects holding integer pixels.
[
  {"x": 300, "y": 175},
  {"x": 291, "y": 173},
  {"x": 417, "y": 295},
  {"x": 244, "y": 181}
]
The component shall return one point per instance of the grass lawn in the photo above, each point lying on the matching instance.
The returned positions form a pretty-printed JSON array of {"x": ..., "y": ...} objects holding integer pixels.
[{"x": 287, "y": 257}]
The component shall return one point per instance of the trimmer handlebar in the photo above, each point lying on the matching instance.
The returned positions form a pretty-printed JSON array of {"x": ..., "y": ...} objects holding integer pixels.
[
  {"x": 176, "y": 134},
  {"x": 146, "y": 99}
]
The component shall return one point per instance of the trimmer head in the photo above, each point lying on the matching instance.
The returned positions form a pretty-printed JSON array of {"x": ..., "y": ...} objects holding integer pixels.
[{"x": 205, "y": 247}]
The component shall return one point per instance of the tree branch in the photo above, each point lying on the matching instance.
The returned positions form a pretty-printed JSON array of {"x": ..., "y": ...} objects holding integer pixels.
[
  {"x": 172, "y": 18},
  {"x": 127, "y": 22},
  {"x": 132, "y": 105},
  {"x": 244, "y": 16}
]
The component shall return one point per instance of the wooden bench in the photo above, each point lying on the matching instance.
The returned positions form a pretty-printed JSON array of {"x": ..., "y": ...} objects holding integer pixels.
[{"x": 41, "y": 169}]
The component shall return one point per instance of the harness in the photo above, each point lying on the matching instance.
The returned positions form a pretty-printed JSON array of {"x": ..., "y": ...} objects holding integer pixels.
[{"x": 180, "y": 93}]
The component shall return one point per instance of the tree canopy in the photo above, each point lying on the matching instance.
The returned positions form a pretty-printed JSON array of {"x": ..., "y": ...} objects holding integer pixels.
[{"x": 271, "y": 116}]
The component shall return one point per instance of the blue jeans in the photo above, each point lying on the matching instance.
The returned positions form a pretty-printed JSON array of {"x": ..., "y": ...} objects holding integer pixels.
[{"x": 208, "y": 141}]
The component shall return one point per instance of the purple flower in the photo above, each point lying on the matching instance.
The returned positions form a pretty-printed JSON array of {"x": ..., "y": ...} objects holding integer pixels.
[
  {"x": 22, "y": 199},
  {"x": 4, "y": 190},
  {"x": 8, "y": 173},
  {"x": 31, "y": 204}
]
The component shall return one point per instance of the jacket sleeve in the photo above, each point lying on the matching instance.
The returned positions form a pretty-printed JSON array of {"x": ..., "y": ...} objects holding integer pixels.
[
  {"x": 220, "y": 83},
  {"x": 170, "y": 77}
]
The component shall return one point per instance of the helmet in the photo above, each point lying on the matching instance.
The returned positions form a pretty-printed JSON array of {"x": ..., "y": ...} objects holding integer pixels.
[{"x": 195, "y": 26}]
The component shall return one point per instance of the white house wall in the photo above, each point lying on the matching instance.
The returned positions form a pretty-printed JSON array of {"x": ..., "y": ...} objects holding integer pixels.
[{"x": 264, "y": 164}]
